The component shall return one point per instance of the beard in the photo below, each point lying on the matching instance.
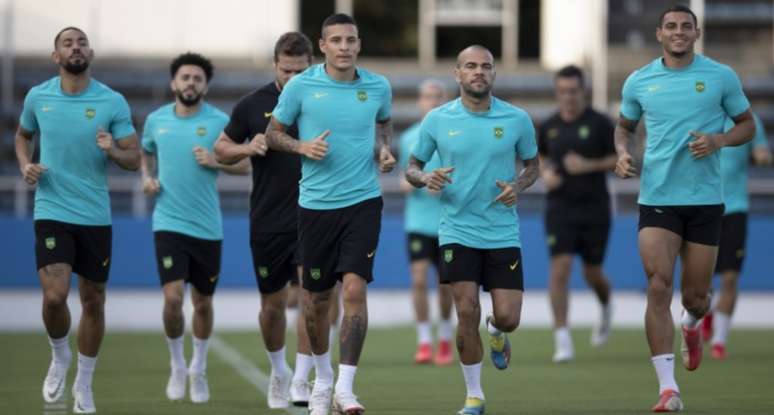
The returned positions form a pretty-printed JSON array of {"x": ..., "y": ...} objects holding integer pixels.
[
  {"x": 76, "y": 68},
  {"x": 188, "y": 101},
  {"x": 477, "y": 93}
]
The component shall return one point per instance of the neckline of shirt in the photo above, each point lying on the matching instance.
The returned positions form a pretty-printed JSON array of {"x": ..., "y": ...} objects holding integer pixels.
[
  {"x": 79, "y": 94},
  {"x": 696, "y": 58}
]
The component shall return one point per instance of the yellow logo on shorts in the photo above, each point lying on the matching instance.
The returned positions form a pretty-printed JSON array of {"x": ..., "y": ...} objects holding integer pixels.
[
  {"x": 167, "y": 262},
  {"x": 416, "y": 245},
  {"x": 91, "y": 113},
  {"x": 448, "y": 255},
  {"x": 700, "y": 87},
  {"x": 498, "y": 132},
  {"x": 583, "y": 132},
  {"x": 201, "y": 131},
  {"x": 315, "y": 273},
  {"x": 263, "y": 272},
  {"x": 362, "y": 96},
  {"x": 51, "y": 242},
  {"x": 213, "y": 279}
]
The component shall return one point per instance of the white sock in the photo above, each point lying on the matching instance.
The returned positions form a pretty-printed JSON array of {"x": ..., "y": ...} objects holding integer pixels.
[
  {"x": 60, "y": 350},
  {"x": 199, "y": 359},
  {"x": 494, "y": 331},
  {"x": 323, "y": 369},
  {"x": 445, "y": 330},
  {"x": 346, "y": 379},
  {"x": 665, "y": 370},
  {"x": 278, "y": 361},
  {"x": 472, "y": 374},
  {"x": 563, "y": 339},
  {"x": 689, "y": 321},
  {"x": 176, "y": 355},
  {"x": 424, "y": 332},
  {"x": 304, "y": 365},
  {"x": 85, "y": 371},
  {"x": 721, "y": 323}
]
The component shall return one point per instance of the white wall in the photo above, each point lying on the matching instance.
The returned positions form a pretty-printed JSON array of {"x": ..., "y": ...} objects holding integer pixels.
[
  {"x": 156, "y": 28},
  {"x": 567, "y": 31}
]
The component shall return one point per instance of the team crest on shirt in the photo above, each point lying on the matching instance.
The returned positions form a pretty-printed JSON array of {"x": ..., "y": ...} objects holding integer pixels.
[
  {"x": 91, "y": 113},
  {"x": 362, "y": 96},
  {"x": 51, "y": 242},
  {"x": 166, "y": 262},
  {"x": 416, "y": 245},
  {"x": 201, "y": 131},
  {"x": 498, "y": 132},
  {"x": 583, "y": 132},
  {"x": 448, "y": 255},
  {"x": 263, "y": 272},
  {"x": 551, "y": 240},
  {"x": 315, "y": 273},
  {"x": 553, "y": 133},
  {"x": 700, "y": 87}
]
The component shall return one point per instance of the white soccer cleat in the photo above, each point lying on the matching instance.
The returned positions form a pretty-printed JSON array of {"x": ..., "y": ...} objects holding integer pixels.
[
  {"x": 176, "y": 385},
  {"x": 279, "y": 393},
  {"x": 83, "y": 400},
  {"x": 563, "y": 355},
  {"x": 601, "y": 331},
  {"x": 320, "y": 400},
  {"x": 299, "y": 393},
  {"x": 347, "y": 404},
  {"x": 55, "y": 383},
  {"x": 200, "y": 390}
]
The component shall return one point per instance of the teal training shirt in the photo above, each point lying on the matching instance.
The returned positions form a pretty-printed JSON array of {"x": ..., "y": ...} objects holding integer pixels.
[
  {"x": 316, "y": 102},
  {"x": 697, "y": 97},
  {"x": 74, "y": 188},
  {"x": 423, "y": 209},
  {"x": 188, "y": 202},
  {"x": 733, "y": 165},
  {"x": 482, "y": 147}
]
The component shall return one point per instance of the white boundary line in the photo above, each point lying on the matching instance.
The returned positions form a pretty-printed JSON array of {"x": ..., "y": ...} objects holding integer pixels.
[{"x": 247, "y": 369}]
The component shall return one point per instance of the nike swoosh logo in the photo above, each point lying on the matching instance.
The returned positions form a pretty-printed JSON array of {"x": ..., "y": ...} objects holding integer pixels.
[
  {"x": 659, "y": 211},
  {"x": 47, "y": 109},
  {"x": 213, "y": 279},
  {"x": 371, "y": 254},
  {"x": 514, "y": 265},
  {"x": 105, "y": 262},
  {"x": 453, "y": 133},
  {"x": 266, "y": 115},
  {"x": 52, "y": 395},
  {"x": 319, "y": 95}
]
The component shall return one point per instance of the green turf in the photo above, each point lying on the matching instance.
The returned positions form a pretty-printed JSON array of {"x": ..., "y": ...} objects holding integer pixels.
[{"x": 618, "y": 379}]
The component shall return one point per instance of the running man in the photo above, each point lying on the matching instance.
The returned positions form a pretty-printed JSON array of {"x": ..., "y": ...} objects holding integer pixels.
[
  {"x": 576, "y": 149},
  {"x": 340, "y": 108},
  {"x": 179, "y": 167},
  {"x": 479, "y": 139},
  {"x": 685, "y": 97},
  {"x": 273, "y": 218},
  {"x": 82, "y": 124},
  {"x": 422, "y": 213},
  {"x": 733, "y": 234}
]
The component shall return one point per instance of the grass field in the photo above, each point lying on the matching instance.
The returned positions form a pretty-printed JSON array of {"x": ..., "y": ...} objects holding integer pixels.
[{"x": 618, "y": 379}]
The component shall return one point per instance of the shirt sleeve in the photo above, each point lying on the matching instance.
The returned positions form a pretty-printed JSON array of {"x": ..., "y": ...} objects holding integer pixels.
[
  {"x": 734, "y": 102},
  {"x": 289, "y": 104},
  {"x": 405, "y": 150},
  {"x": 121, "y": 126},
  {"x": 630, "y": 105},
  {"x": 238, "y": 127},
  {"x": 426, "y": 144},
  {"x": 385, "y": 110},
  {"x": 221, "y": 123},
  {"x": 28, "y": 120},
  {"x": 526, "y": 146},
  {"x": 148, "y": 140}
]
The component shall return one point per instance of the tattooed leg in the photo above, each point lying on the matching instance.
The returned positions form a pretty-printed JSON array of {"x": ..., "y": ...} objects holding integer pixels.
[
  {"x": 468, "y": 316},
  {"x": 355, "y": 322},
  {"x": 316, "y": 307}
]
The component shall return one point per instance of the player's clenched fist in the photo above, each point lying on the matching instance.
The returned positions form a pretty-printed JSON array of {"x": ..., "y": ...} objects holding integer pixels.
[
  {"x": 437, "y": 179},
  {"x": 31, "y": 173},
  {"x": 104, "y": 140}
]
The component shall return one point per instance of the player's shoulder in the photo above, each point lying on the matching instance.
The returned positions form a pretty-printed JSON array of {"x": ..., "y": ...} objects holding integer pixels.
[
  {"x": 214, "y": 112},
  {"x": 105, "y": 91},
  {"x": 449, "y": 109},
  {"x": 370, "y": 77},
  {"x": 163, "y": 112},
  {"x": 708, "y": 63},
  {"x": 48, "y": 86},
  {"x": 505, "y": 108}
]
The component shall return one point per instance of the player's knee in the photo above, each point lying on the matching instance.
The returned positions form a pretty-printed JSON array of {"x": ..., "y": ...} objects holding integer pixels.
[
  {"x": 508, "y": 322},
  {"x": 659, "y": 287},
  {"x": 54, "y": 299},
  {"x": 419, "y": 284},
  {"x": 173, "y": 302},
  {"x": 93, "y": 305},
  {"x": 353, "y": 294},
  {"x": 203, "y": 305},
  {"x": 468, "y": 312},
  {"x": 695, "y": 302}
]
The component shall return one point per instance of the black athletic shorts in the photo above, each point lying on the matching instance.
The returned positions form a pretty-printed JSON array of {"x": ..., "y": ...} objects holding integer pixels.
[
  {"x": 422, "y": 247},
  {"x": 699, "y": 224},
  {"x": 334, "y": 242},
  {"x": 183, "y": 257},
  {"x": 275, "y": 260},
  {"x": 85, "y": 248},
  {"x": 589, "y": 241},
  {"x": 733, "y": 236},
  {"x": 490, "y": 268}
]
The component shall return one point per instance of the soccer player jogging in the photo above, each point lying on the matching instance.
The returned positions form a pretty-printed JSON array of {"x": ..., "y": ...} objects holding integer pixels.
[
  {"x": 82, "y": 124},
  {"x": 422, "y": 213},
  {"x": 179, "y": 167},
  {"x": 733, "y": 234},
  {"x": 685, "y": 98},
  {"x": 273, "y": 217},
  {"x": 576, "y": 148},
  {"x": 479, "y": 139},
  {"x": 340, "y": 109}
]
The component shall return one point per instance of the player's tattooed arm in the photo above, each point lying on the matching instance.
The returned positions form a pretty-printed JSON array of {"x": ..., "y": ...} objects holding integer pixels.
[
  {"x": 278, "y": 139},
  {"x": 25, "y": 147},
  {"x": 435, "y": 180},
  {"x": 528, "y": 174},
  {"x": 624, "y": 133},
  {"x": 384, "y": 137}
]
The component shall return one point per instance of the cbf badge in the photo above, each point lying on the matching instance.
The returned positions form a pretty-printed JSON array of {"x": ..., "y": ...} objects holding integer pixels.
[
  {"x": 51, "y": 242},
  {"x": 201, "y": 131},
  {"x": 315, "y": 273},
  {"x": 448, "y": 255},
  {"x": 91, "y": 113},
  {"x": 263, "y": 272},
  {"x": 498, "y": 132},
  {"x": 700, "y": 86},
  {"x": 362, "y": 96},
  {"x": 167, "y": 262}
]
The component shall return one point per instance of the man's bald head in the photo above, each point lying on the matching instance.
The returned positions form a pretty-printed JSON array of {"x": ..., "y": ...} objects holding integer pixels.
[{"x": 473, "y": 51}]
